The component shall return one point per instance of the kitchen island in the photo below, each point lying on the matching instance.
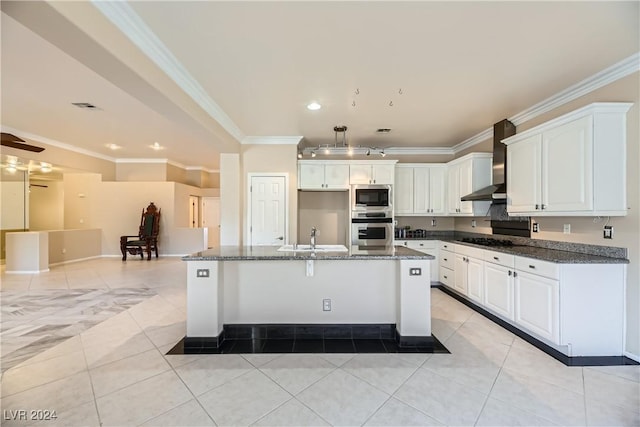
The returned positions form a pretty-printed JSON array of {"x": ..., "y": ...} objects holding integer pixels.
[{"x": 383, "y": 289}]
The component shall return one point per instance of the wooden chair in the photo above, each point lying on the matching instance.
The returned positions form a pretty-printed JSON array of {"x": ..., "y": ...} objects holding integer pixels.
[{"x": 147, "y": 238}]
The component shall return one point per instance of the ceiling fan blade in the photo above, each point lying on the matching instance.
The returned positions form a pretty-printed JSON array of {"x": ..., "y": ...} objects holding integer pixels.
[
  {"x": 10, "y": 137},
  {"x": 9, "y": 140}
]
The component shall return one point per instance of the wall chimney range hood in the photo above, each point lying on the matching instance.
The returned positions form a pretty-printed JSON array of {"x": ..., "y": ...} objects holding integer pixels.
[{"x": 498, "y": 191}]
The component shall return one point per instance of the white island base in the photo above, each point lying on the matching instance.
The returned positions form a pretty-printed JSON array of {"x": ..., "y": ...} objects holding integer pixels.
[{"x": 295, "y": 291}]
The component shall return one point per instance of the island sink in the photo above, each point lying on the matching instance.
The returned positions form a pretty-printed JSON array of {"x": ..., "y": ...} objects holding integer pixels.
[{"x": 307, "y": 248}]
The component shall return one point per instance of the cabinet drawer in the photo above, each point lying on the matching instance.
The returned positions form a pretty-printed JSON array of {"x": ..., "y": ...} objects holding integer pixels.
[
  {"x": 446, "y": 276},
  {"x": 500, "y": 258},
  {"x": 422, "y": 244},
  {"x": 540, "y": 268},
  {"x": 469, "y": 251},
  {"x": 447, "y": 259},
  {"x": 447, "y": 246}
]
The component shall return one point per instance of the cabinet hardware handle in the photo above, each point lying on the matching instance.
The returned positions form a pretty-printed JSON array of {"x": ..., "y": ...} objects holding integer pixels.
[
  {"x": 515, "y": 274},
  {"x": 536, "y": 207},
  {"x": 445, "y": 259},
  {"x": 496, "y": 258},
  {"x": 532, "y": 266},
  {"x": 509, "y": 272},
  {"x": 544, "y": 207},
  {"x": 445, "y": 277}
]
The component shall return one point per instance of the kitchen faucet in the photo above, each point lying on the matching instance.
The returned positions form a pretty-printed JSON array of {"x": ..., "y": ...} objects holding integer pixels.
[{"x": 313, "y": 238}]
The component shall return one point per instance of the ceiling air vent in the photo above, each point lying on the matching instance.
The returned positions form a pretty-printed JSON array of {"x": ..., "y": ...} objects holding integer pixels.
[
  {"x": 87, "y": 105},
  {"x": 383, "y": 130}
]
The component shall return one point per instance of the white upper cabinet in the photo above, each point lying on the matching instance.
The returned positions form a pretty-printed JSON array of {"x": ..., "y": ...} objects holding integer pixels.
[
  {"x": 323, "y": 175},
  {"x": 570, "y": 166},
  {"x": 419, "y": 189},
  {"x": 380, "y": 172},
  {"x": 464, "y": 176}
]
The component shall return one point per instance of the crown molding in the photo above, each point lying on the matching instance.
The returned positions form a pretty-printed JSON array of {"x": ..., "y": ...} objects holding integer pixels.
[
  {"x": 609, "y": 75},
  {"x": 132, "y": 26},
  {"x": 200, "y": 168},
  {"x": 58, "y": 144},
  {"x": 271, "y": 140},
  {"x": 419, "y": 151}
]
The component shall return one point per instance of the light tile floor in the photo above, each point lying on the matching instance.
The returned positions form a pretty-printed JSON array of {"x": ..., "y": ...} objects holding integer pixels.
[{"x": 112, "y": 369}]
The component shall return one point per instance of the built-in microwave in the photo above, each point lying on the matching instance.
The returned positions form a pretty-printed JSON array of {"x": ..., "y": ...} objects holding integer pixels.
[{"x": 371, "y": 197}]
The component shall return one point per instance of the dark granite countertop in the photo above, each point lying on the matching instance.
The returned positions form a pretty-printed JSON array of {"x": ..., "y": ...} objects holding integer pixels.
[
  {"x": 263, "y": 253},
  {"x": 547, "y": 254}
]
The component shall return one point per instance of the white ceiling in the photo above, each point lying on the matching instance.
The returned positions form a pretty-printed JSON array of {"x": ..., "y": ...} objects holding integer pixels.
[{"x": 461, "y": 66}]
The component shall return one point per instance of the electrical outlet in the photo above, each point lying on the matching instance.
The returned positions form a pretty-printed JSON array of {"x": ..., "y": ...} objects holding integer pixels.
[
  {"x": 326, "y": 305},
  {"x": 566, "y": 228},
  {"x": 535, "y": 227},
  {"x": 473, "y": 223},
  {"x": 433, "y": 222},
  {"x": 608, "y": 232},
  {"x": 202, "y": 272},
  {"x": 415, "y": 272}
]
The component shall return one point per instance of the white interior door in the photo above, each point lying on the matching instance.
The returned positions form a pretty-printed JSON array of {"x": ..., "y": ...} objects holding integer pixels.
[
  {"x": 267, "y": 222},
  {"x": 211, "y": 220}
]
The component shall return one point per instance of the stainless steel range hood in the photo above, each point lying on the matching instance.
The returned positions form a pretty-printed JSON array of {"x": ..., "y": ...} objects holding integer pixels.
[{"x": 497, "y": 191}]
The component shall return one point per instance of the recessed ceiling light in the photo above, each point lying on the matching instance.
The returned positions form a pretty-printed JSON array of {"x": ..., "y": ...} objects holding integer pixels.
[
  {"x": 156, "y": 146},
  {"x": 45, "y": 167},
  {"x": 113, "y": 146},
  {"x": 314, "y": 106}
]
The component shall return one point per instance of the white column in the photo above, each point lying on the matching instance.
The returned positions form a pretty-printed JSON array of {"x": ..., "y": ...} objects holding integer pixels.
[
  {"x": 27, "y": 252},
  {"x": 204, "y": 299},
  {"x": 230, "y": 196},
  {"x": 414, "y": 298}
]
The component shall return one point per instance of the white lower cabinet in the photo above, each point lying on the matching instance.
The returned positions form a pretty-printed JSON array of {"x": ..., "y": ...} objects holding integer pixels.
[
  {"x": 498, "y": 290},
  {"x": 578, "y": 309},
  {"x": 498, "y": 284},
  {"x": 468, "y": 268},
  {"x": 537, "y": 305}
]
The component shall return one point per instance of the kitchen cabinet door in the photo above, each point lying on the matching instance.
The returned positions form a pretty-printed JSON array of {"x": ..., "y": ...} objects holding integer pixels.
[
  {"x": 475, "y": 279},
  {"x": 403, "y": 191},
  {"x": 311, "y": 176},
  {"x": 421, "y": 186},
  {"x": 453, "y": 189},
  {"x": 498, "y": 290},
  {"x": 437, "y": 190},
  {"x": 460, "y": 267},
  {"x": 537, "y": 305},
  {"x": 567, "y": 167},
  {"x": 336, "y": 176},
  {"x": 360, "y": 174},
  {"x": 382, "y": 174},
  {"x": 524, "y": 175},
  {"x": 465, "y": 186}
]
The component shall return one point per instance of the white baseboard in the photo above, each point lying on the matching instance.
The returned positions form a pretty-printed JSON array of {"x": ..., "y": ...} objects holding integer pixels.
[
  {"x": 26, "y": 271},
  {"x": 632, "y": 356},
  {"x": 71, "y": 261}
]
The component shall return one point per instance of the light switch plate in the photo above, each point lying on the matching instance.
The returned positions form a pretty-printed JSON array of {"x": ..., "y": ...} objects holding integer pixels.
[{"x": 566, "y": 228}]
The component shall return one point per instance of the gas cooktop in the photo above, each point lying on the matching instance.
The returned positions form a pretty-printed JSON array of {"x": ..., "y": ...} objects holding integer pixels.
[{"x": 483, "y": 241}]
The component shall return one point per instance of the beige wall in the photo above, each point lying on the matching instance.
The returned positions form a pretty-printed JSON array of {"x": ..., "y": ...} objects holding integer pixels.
[
  {"x": 141, "y": 172},
  {"x": 46, "y": 206},
  {"x": 424, "y": 223},
  {"x": 271, "y": 159},
  {"x": 329, "y": 212},
  {"x": 176, "y": 174},
  {"x": 83, "y": 198},
  {"x": 68, "y": 245}
]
